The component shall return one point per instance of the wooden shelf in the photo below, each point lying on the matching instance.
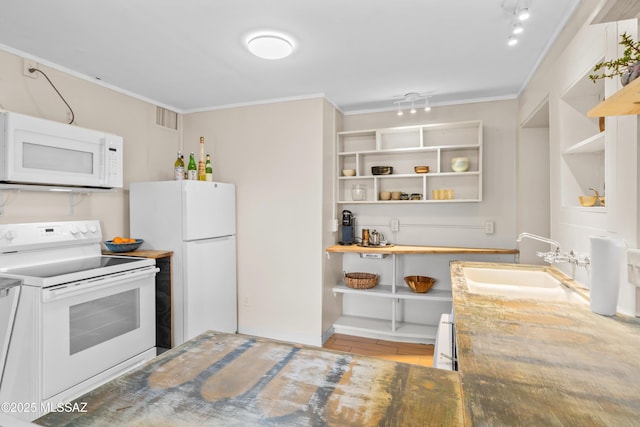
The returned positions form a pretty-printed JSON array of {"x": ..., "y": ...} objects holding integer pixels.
[
  {"x": 405, "y": 249},
  {"x": 626, "y": 101}
]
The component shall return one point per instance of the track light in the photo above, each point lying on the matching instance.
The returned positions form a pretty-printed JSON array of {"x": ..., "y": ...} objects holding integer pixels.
[
  {"x": 512, "y": 41},
  {"x": 517, "y": 28},
  {"x": 523, "y": 14},
  {"x": 411, "y": 98}
]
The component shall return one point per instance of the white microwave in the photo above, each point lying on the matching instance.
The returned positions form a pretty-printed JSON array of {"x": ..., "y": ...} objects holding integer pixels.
[{"x": 44, "y": 152}]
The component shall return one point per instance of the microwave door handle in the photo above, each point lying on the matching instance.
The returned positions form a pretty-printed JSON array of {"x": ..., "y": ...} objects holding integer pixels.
[
  {"x": 105, "y": 160},
  {"x": 91, "y": 285}
]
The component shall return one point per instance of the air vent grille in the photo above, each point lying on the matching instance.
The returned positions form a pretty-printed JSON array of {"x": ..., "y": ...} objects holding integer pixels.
[{"x": 166, "y": 118}]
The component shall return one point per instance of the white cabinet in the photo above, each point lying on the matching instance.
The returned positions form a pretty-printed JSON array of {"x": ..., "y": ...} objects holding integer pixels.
[{"x": 403, "y": 148}]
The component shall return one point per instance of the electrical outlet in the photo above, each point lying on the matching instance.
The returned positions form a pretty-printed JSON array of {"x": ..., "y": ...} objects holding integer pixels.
[
  {"x": 27, "y": 64},
  {"x": 245, "y": 301},
  {"x": 488, "y": 227},
  {"x": 334, "y": 225},
  {"x": 395, "y": 225}
]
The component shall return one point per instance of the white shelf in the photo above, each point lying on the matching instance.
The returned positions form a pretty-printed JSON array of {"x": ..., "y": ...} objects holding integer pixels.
[
  {"x": 54, "y": 188},
  {"x": 402, "y": 292},
  {"x": 403, "y": 148},
  {"x": 592, "y": 144},
  {"x": 365, "y": 325},
  {"x": 410, "y": 150}
]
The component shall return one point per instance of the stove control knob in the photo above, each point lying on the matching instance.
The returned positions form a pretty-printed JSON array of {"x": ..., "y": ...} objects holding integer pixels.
[
  {"x": 73, "y": 230},
  {"x": 83, "y": 229},
  {"x": 9, "y": 235},
  {"x": 93, "y": 229}
]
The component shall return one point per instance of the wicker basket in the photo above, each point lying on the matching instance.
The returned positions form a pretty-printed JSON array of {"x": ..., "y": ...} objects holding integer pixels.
[{"x": 360, "y": 280}]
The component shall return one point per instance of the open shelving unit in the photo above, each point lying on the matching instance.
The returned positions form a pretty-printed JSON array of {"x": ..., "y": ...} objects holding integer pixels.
[
  {"x": 395, "y": 292},
  {"x": 403, "y": 148},
  {"x": 583, "y": 143}
]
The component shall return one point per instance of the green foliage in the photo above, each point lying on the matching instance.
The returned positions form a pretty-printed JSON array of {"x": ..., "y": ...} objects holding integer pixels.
[{"x": 617, "y": 67}]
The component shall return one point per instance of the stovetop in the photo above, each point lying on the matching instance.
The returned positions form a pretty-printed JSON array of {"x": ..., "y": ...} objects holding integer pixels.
[{"x": 53, "y": 253}]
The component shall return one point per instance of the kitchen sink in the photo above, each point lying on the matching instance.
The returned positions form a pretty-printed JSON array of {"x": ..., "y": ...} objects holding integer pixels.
[{"x": 517, "y": 283}]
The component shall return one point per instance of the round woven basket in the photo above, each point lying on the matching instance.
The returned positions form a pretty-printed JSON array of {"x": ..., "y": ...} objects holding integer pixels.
[{"x": 360, "y": 280}]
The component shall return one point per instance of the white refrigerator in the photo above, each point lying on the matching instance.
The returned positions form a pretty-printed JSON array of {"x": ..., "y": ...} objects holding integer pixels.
[{"x": 197, "y": 221}]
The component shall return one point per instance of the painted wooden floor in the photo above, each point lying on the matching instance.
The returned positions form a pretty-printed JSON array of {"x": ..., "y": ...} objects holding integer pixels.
[{"x": 417, "y": 354}]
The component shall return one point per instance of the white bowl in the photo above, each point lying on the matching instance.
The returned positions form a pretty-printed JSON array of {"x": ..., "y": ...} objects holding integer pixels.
[
  {"x": 460, "y": 164},
  {"x": 348, "y": 172}
]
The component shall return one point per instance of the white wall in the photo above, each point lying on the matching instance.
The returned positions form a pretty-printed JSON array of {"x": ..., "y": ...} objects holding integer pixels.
[
  {"x": 149, "y": 150},
  {"x": 274, "y": 155},
  {"x": 579, "y": 47},
  {"x": 454, "y": 224}
]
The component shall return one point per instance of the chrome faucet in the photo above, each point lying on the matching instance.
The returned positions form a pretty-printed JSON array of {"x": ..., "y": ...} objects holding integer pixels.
[
  {"x": 556, "y": 255},
  {"x": 549, "y": 257}
]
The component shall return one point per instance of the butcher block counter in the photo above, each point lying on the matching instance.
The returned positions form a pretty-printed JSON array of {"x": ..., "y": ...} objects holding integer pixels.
[
  {"x": 409, "y": 249},
  {"x": 528, "y": 363}
]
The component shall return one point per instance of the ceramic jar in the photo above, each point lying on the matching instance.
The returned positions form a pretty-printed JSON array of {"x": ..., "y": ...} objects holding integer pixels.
[{"x": 460, "y": 164}]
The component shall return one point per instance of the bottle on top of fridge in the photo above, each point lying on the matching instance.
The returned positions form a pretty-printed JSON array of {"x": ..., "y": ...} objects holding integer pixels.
[
  {"x": 192, "y": 171},
  {"x": 202, "y": 174},
  {"x": 178, "y": 167},
  {"x": 209, "y": 169}
]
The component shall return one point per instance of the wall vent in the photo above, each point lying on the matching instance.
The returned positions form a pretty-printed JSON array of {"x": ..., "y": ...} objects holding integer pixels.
[{"x": 166, "y": 118}]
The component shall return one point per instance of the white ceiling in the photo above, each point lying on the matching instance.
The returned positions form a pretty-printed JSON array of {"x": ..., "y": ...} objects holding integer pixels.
[{"x": 189, "y": 55}]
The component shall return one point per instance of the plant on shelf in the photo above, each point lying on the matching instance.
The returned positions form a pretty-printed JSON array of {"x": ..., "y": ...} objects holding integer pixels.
[{"x": 627, "y": 66}]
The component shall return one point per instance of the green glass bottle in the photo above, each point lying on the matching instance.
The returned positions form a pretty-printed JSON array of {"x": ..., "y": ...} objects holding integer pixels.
[
  {"x": 192, "y": 170},
  {"x": 209, "y": 169}
]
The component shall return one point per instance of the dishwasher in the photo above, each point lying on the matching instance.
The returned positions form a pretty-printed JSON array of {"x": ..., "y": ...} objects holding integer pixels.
[
  {"x": 9, "y": 299},
  {"x": 444, "y": 352}
]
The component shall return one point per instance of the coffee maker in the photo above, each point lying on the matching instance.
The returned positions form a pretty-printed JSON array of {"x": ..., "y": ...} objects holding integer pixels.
[{"x": 348, "y": 225}]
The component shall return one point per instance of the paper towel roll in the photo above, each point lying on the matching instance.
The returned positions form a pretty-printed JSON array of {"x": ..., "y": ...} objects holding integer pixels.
[{"x": 605, "y": 274}]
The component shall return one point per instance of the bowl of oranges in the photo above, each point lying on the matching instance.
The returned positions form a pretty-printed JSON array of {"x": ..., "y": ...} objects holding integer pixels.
[{"x": 123, "y": 244}]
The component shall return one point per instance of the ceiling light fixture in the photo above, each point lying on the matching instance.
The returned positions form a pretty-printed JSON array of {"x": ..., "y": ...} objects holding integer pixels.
[
  {"x": 518, "y": 11},
  {"x": 270, "y": 46},
  {"x": 410, "y": 99},
  {"x": 517, "y": 28}
]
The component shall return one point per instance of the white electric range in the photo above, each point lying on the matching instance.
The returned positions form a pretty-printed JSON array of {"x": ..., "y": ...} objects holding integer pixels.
[{"x": 82, "y": 318}]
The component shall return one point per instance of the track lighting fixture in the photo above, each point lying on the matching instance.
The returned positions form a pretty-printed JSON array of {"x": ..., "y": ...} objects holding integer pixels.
[
  {"x": 410, "y": 99},
  {"x": 519, "y": 11}
]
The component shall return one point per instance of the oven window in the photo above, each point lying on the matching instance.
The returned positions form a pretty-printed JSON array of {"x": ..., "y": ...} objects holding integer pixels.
[
  {"x": 37, "y": 156},
  {"x": 96, "y": 321}
]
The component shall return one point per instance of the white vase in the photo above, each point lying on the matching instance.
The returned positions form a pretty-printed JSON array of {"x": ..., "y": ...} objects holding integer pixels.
[{"x": 632, "y": 73}]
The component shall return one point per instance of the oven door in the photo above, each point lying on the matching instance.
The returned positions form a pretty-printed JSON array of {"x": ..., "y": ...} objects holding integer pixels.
[{"x": 92, "y": 325}]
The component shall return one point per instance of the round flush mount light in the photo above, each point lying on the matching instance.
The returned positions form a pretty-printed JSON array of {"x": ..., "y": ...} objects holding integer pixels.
[{"x": 270, "y": 46}]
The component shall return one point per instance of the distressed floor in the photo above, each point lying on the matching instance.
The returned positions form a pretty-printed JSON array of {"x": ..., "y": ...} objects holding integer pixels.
[
  {"x": 228, "y": 380},
  {"x": 417, "y": 354}
]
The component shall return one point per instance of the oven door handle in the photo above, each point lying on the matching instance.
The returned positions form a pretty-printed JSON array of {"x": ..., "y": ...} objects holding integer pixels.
[{"x": 91, "y": 285}]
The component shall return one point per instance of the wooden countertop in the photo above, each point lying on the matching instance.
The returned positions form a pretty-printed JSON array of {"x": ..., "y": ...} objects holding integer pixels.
[
  {"x": 528, "y": 363},
  {"x": 144, "y": 253},
  {"x": 408, "y": 249}
]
